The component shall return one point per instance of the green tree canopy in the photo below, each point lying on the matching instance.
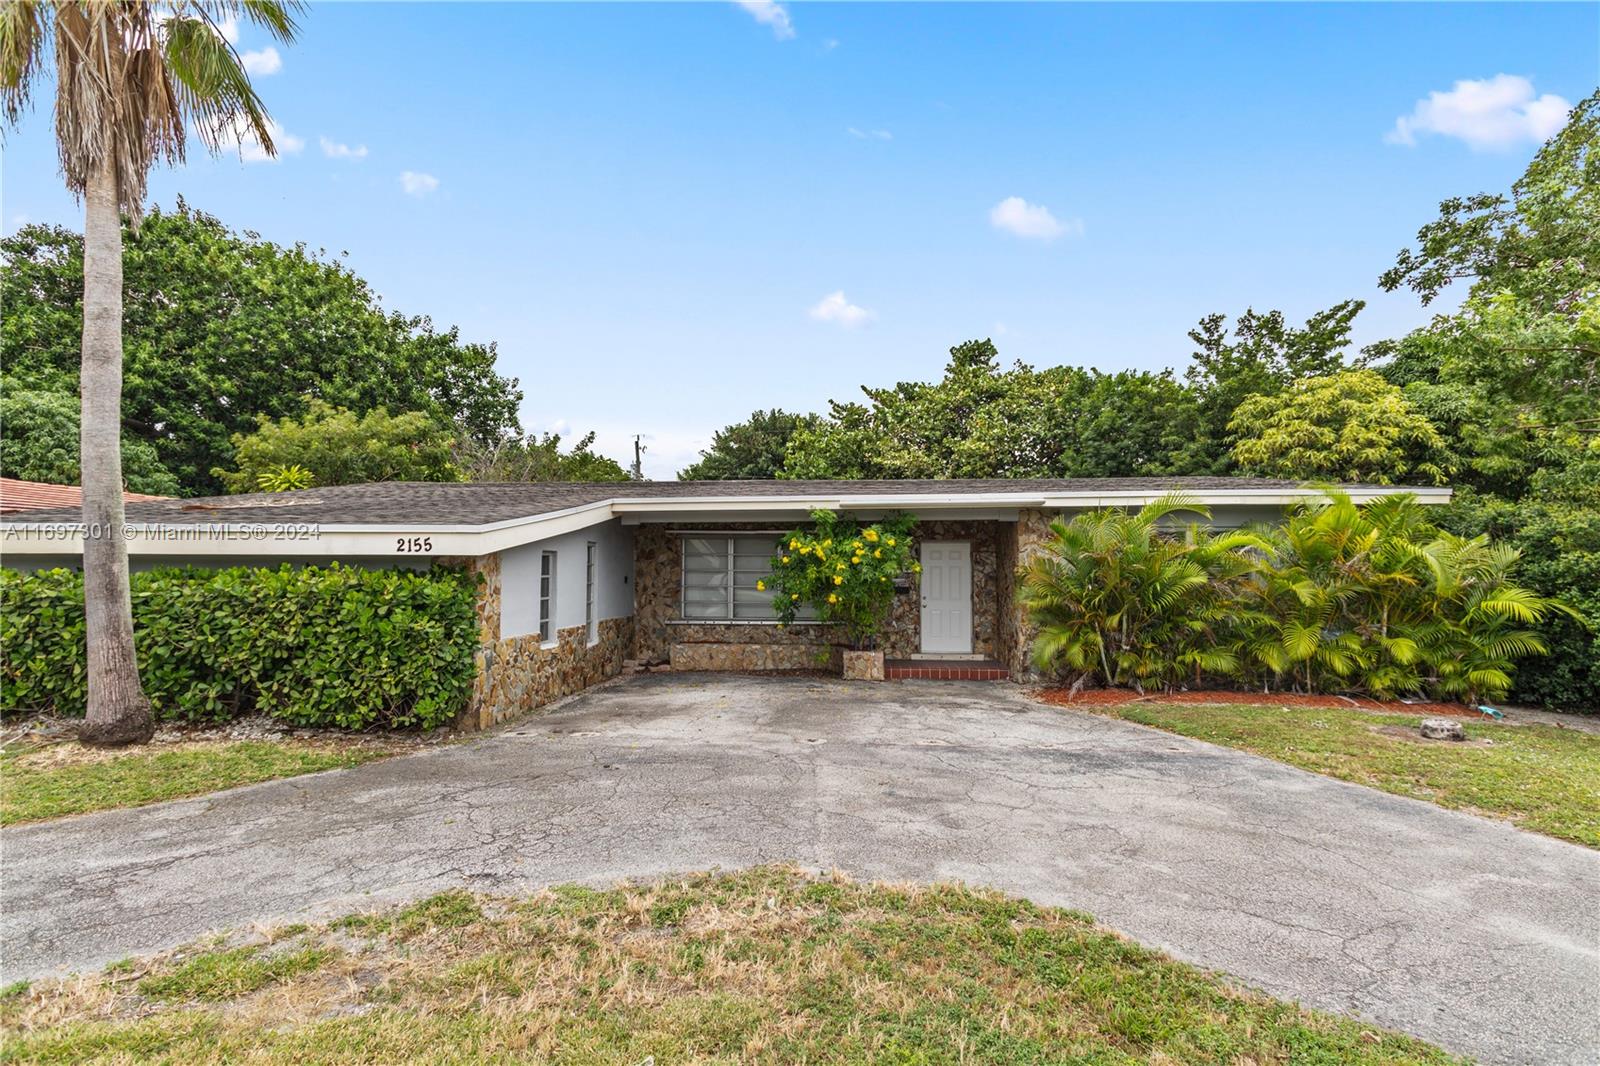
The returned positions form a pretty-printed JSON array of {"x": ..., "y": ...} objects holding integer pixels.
[
  {"x": 222, "y": 326},
  {"x": 752, "y": 450},
  {"x": 340, "y": 447},
  {"x": 40, "y": 443},
  {"x": 980, "y": 420},
  {"x": 1261, "y": 355},
  {"x": 528, "y": 458},
  {"x": 1512, "y": 381},
  {"x": 1541, "y": 242},
  {"x": 1353, "y": 426}
]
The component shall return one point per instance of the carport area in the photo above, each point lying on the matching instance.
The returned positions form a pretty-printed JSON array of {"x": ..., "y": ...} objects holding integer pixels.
[{"x": 1458, "y": 929}]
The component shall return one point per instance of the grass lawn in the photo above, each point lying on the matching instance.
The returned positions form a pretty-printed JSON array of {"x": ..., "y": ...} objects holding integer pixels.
[
  {"x": 1540, "y": 777},
  {"x": 66, "y": 779},
  {"x": 765, "y": 966}
]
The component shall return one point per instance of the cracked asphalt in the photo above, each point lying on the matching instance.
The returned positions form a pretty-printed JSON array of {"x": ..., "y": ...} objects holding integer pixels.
[{"x": 1461, "y": 930}]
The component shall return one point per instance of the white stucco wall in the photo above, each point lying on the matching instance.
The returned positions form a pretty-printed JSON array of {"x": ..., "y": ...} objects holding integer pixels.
[{"x": 519, "y": 579}]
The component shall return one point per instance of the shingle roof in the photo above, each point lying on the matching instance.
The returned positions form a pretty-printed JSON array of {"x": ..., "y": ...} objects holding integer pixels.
[
  {"x": 411, "y": 503},
  {"x": 17, "y": 496}
]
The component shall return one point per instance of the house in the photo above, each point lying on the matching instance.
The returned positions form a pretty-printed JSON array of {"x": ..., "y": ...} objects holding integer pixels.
[
  {"x": 579, "y": 577},
  {"x": 17, "y": 496}
]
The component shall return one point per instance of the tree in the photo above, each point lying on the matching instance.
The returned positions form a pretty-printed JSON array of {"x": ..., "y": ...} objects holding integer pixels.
[
  {"x": 223, "y": 326},
  {"x": 339, "y": 447},
  {"x": 752, "y": 450},
  {"x": 529, "y": 458},
  {"x": 1261, "y": 357},
  {"x": 40, "y": 443},
  {"x": 131, "y": 79},
  {"x": 1512, "y": 381},
  {"x": 1542, "y": 241},
  {"x": 980, "y": 420},
  {"x": 1353, "y": 426}
]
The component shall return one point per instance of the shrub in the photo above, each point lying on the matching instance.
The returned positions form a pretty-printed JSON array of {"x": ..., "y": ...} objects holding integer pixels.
[
  {"x": 1337, "y": 598},
  {"x": 313, "y": 646},
  {"x": 843, "y": 570},
  {"x": 1116, "y": 596}
]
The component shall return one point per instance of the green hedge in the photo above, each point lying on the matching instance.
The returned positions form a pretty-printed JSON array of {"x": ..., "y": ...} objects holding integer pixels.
[{"x": 334, "y": 646}]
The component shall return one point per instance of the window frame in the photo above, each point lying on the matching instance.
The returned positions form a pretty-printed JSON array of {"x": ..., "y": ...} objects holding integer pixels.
[
  {"x": 730, "y": 555},
  {"x": 547, "y": 598},
  {"x": 591, "y": 570}
]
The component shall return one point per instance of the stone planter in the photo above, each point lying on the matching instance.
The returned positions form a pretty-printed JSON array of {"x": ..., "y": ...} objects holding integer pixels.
[{"x": 863, "y": 665}]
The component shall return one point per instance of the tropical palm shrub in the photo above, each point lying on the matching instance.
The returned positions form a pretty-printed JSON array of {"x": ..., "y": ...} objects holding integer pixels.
[
  {"x": 1130, "y": 599},
  {"x": 1339, "y": 597}
]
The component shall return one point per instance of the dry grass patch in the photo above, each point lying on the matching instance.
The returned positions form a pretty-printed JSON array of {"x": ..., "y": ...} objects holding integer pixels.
[{"x": 767, "y": 966}]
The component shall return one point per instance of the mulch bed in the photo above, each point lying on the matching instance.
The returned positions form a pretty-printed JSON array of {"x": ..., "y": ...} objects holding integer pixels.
[{"x": 1113, "y": 697}]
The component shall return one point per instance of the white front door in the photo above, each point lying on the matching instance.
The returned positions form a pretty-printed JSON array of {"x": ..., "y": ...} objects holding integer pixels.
[{"x": 947, "y": 596}]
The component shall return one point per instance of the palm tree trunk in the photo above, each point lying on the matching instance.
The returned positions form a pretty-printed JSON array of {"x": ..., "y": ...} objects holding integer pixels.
[{"x": 118, "y": 711}]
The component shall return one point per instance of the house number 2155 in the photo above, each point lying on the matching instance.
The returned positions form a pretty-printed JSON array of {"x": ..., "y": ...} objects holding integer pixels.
[{"x": 413, "y": 544}]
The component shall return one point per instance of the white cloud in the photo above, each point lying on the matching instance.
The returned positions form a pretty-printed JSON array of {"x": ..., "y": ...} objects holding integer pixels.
[
  {"x": 830, "y": 44},
  {"x": 770, "y": 13},
  {"x": 228, "y": 27},
  {"x": 418, "y": 184},
  {"x": 869, "y": 135},
  {"x": 240, "y": 137},
  {"x": 835, "y": 308},
  {"x": 263, "y": 62},
  {"x": 1489, "y": 115},
  {"x": 1033, "y": 221},
  {"x": 335, "y": 150}
]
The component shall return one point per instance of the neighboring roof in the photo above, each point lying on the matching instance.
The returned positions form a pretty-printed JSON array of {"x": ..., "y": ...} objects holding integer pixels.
[
  {"x": 17, "y": 496},
  {"x": 410, "y": 504}
]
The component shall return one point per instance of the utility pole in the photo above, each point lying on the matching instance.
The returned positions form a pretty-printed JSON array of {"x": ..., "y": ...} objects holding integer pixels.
[{"x": 637, "y": 473}]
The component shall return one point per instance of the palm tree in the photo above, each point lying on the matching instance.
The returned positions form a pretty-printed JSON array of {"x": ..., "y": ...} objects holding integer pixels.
[
  {"x": 1134, "y": 598},
  {"x": 130, "y": 79}
]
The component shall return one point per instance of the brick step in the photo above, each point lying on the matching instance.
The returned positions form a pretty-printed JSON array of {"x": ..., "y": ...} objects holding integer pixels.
[{"x": 945, "y": 670}]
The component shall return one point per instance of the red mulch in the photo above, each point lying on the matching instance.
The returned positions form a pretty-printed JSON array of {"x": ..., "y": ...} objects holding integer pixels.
[{"x": 1112, "y": 697}]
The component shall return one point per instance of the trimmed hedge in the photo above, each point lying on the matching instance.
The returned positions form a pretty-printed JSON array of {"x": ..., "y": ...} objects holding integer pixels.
[{"x": 334, "y": 646}]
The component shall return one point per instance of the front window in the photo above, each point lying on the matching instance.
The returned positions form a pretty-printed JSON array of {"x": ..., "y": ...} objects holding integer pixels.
[
  {"x": 547, "y": 595},
  {"x": 720, "y": 573},
  {"x": 588, "y": 593}
]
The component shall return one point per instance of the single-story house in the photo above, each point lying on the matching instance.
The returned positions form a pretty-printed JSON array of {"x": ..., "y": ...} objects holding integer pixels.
[{"x": 581, "y": 577}]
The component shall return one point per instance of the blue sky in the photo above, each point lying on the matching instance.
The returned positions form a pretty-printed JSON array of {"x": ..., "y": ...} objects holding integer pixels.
[{"x": 651, "y": 208}]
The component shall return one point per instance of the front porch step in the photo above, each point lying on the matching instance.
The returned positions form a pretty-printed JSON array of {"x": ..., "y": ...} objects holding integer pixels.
[{"x": 945, "y": 670}]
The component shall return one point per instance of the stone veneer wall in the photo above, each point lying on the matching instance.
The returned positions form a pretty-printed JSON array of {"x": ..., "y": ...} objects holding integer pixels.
[
  {"x": 660, "y": 636},
  {"x": 519, "y": 674},
  {"x": 1032, "y": 529},
  {"x": 903, "y": 636}
]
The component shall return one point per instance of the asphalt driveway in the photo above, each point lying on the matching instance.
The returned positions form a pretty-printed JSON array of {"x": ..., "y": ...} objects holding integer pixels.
[{"x": 1459, "y": 929}]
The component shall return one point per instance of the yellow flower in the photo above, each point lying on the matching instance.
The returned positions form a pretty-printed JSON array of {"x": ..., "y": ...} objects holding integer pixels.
[
  {"x": 794, "y": 595},
  {"x": 916, "y": 568},
  {"x": 786, "y": 559},
  {"x": 793, "y": 544},
  {"x": 855, "y": 545},
  {"x": 877, "y": 553},
  {"x": 838, "y": 566},
  {"x": 890, "y": 542},
  {"x": 761, "y": 586},
  {"x": 871, "y": 534},
  {"x": 837, "y": 580},
  {"x": 832, "y": 598},
  {"x": 828, "y": 543},
  {"x": 884, "y": 580}
]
